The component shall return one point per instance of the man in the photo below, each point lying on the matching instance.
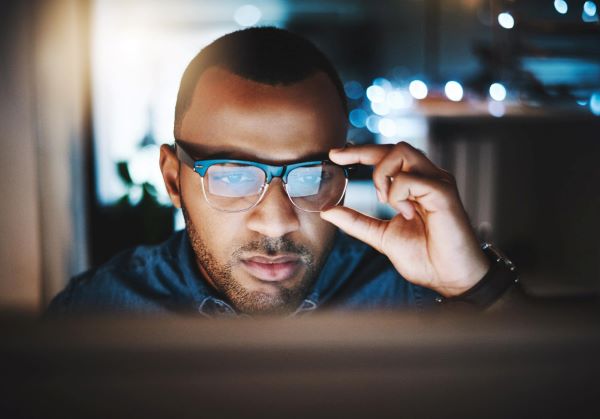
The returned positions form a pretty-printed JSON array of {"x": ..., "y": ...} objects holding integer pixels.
[{"x": 259, "y": 168}]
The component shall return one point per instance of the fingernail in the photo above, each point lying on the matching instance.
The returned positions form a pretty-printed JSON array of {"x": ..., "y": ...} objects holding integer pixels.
[{"x": 379, "y": 195}]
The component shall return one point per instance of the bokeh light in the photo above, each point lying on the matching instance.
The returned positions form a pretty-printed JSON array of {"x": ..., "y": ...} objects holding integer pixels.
[
  {"x": 353, "y": 90},
  {"x": 376, "y": 94},
  {"x": 418, "y": 89},
  {"x": 496, "y": 109},
  {"x": 247, "y": 15},
  {"x": 589, "y": 8},
  {"x": 595, "y": 103},
  {"x": 380, "y": 108},
  {"x": 506, "y": 20},
  {"x": 382, "y": 82},
  {"x": 561, "y": 6},
  {"x": 373, "y": 123},
  {"x": 387, "y": 127},
  {"x": 358, "y": 118},
  {"x": 398, "y": 99},
  {"x": 497, "y": 92},
  {"x": 454, "y": 91}
]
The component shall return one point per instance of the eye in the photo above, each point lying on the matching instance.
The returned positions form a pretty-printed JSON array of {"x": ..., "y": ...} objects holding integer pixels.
[
  {"x": 322, "y": 176},
  {"x": 234, "y": 178},
  {"x": 309, "y": 179}
]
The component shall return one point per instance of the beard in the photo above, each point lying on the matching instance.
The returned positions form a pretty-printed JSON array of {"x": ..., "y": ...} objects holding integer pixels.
[{"x": 253, "y": 302}]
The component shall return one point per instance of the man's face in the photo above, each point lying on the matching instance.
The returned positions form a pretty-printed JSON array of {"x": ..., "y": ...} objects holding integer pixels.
[{"x": 264, "y": 259}]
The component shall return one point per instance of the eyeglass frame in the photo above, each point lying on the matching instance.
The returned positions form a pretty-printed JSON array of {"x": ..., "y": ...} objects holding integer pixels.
[{"x": 271, "y": 171}]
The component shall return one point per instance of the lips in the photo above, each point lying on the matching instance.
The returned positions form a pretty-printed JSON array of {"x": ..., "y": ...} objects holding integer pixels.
[{"x": 272, "y": 269}]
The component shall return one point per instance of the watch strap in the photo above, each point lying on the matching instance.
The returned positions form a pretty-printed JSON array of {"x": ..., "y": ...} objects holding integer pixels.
[{"x": 501, "y": 276}]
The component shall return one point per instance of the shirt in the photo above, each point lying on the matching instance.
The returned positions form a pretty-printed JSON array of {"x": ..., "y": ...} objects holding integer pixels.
[{"x": 165, "y": 278}]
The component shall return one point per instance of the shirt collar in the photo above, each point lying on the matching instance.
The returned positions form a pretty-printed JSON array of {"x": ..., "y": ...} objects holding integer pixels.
[{"x": 343, "y": 260}]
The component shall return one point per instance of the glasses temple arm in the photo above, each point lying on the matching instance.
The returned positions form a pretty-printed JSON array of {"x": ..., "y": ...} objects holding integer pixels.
[{"x": 183, "y": 156}]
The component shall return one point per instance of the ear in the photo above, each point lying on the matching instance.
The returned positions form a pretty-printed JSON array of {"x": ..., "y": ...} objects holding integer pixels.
[{"x": 169, "y": 166}]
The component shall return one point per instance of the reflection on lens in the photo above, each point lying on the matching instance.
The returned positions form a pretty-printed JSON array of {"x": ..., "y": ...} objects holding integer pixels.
[
  {"x": 316, "y": 188},
  {"x": 234, "y": 181},
  {"x": 305, "y": 181},
  {"x": 233, "y": 187}
]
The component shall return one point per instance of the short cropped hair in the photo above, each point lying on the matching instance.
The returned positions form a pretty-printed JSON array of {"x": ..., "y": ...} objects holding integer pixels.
[{"x": 266, "y": 55}]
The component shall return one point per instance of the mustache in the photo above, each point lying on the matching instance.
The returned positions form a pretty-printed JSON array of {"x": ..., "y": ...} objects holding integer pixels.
[{"x": 272, "y": 246}]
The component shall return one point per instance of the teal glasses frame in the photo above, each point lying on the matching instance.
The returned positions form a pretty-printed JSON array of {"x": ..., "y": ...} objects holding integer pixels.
[{"x": 271, "y": 171}]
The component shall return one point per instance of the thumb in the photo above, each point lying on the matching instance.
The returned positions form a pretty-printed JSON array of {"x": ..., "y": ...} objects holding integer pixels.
[{"x": 363, "y": 227}]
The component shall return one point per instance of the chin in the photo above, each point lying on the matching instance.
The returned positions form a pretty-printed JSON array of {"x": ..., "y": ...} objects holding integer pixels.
[
  {"x": 254, "y": 296},
  {"x": 260, "y": 303}
]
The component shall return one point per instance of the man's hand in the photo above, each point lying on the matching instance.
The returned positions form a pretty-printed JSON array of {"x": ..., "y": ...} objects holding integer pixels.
[{"x": 430, "y": 241}]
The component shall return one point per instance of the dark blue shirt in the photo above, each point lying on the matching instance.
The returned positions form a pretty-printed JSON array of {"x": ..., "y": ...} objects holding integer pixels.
[{"x": 165, "y": 278}]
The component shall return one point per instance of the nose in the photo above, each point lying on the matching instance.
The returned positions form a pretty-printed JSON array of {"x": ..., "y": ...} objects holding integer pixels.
[{"x": 275, "y": 215}]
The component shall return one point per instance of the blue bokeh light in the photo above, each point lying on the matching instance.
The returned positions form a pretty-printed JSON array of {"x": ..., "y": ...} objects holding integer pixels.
[
  {"x": 373, "y": 123},
  {"x": 561, "y": 6},
  {"x": 247, "y": 15},
  {"x": 590, "y": 12},
  {"x": 589, "y": 8},
  {"x": 595, "y": 103},
  {"x": 382, "y": 82},
  {"x": 358, "y": 118},
  {"x": 354, "y": 90}
]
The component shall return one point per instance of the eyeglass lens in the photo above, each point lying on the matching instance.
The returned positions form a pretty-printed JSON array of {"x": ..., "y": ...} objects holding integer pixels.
[
  {"x": 237, "y": 187},
  {"x": 314, "y": 188}
]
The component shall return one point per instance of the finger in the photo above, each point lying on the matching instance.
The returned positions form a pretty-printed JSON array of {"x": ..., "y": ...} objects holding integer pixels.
[
  {"x": 402, "y": 158},
  {"x": 363, "y": 227},
  {"x": 406, "y": 208},
  {"x": 368, "y": 154},
  {"x": 431, "y": 194}
]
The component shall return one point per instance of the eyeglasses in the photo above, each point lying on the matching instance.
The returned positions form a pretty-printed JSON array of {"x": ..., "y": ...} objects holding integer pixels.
[{"x": 239, "y": 185}]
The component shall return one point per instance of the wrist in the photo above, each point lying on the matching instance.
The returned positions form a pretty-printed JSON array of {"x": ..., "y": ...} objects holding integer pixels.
[
  {"x": 477, "y": 270},
  {"x": 501, "y": 276}
]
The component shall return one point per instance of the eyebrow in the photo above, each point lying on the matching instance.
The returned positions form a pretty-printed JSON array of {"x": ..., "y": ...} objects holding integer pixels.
[{"x": 197, "y": 153}]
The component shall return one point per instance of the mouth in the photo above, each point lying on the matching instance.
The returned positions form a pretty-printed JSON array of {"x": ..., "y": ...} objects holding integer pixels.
[{"x": 272, "y": 269}]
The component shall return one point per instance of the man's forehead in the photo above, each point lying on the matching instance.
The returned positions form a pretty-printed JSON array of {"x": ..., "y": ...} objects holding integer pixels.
[{"x": 239, "y": 117}]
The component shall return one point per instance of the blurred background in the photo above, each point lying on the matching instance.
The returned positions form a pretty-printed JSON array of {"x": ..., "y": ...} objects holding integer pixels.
[{"x": 503, "y": 93}]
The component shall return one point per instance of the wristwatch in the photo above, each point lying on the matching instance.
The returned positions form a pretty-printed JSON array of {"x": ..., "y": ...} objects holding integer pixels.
[{"x": 501, "y": 276}]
